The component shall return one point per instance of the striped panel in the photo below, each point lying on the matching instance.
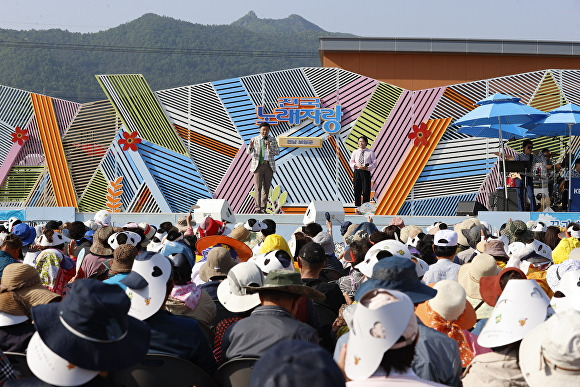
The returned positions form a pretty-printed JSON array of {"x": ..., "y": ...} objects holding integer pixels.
[
  {"x": 459, "y": 99},
  {"x": 19, "y": 183},
  {"x": 140, "y": 110},
  {"x": 441, "y": 206},
  {"x": 237, "y": 182},
  {"x": 88, "y": 139},
  {"x": 212, "y": 158},
  {"x": 53, "y": 151},
  {"x": 15, "y": 111},
  {"x": 314, "y": 174},
  {"x": 198, "y": 109},
  {"x": 43, "y": 193},
  {"x": 117, "y": 163},
  {"x": 464, "y": 169},
  {"x": 248, "y": 205},
  {"x": 392, "y": 143},
  {"x": 375, "y": 114},
  {"x": 65, "y": 112},
  {"x": 353, "y": 98},
  {"x": 175, "y": 175},
  {"x": 520, "y": 85},
  {"x": 326, "y": 80},
  {"x": 31, "y": 154},
  {"x": 393, "y": 197},
  {"x": 95, "y": 196},
  {"x": 239, "y": 106},
  {"x": 552, "y": 143},
  {"x": 548, "y": 95},
  {"x": 144, "y": 202},
  {"x": 569, "y": 83},
  {"x": 343, "y": 160},
  {"x": 442, "y": 187},
  {"x": 491, "y": 181}
]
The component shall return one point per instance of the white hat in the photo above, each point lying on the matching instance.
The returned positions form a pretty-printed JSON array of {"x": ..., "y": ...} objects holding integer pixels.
[
  {"x": 573, "y": 233},
  {"x": 395, "y": 248},
  {"x": 445, "y": 238},
  {"x": 542, "y": 249},
  {"x": 10, "y": 319},
  {"x": 522, "y": 306},
  {"x": 231, "y": 292},
  {"x": 91, "y": 224},
  {"x": 57, "y": 239},
  {"x": 255, "y": 225},
  {"x": 376, "y": 329},
  {"x": 540, "y": 227},
  {"x": 122, "y": 238},
  {"x": 103, "y": 217},
  {"x": 413, "y": 241},
  {"x": 156, "y": 243},
  {"x": 567, "y": 293},
  {"x": 449, "y": 302},
  {"x": 515, "y": 247},
  {"x": 146, "y": 284},
  {"x": 550, "y": 354},
  {"x": 273, "y": 260},
  {"x": 421, "y": 267},
  {"x": 10, "y": 223},
  {"x": 575, "y": 254},
  {"x": 555, "y": 272},
  {"x": 53, "y": 369}
]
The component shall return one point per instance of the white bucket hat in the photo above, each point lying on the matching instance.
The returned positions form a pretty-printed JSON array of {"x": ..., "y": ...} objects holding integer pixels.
[
  {"x": 103, "y": 217},
  {"x": 376, "y": 329},
  {"x": 550, "y": 354},
  {"x": 147, "y": 284},
  {"x": 57, "y": 239},
  {"x": 522, "y": 306},
  {"x": 232, "y": 292},
  {"x": 132, "y": 238},
  {"x": 567, "y": 293},
  {"x": 273, "y": 260},
  {"x": 395, "y": 248}
]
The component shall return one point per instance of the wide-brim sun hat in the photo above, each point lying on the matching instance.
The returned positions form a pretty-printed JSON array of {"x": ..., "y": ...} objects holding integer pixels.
[
  {"x": 397, "y": 273},
  {"x": 232, "y": 293},
  {"x": 25, "y": 232},
  {"x": 567, "y": 293},
  {"x": 91, "y": 320},
  {"x": 219, "y": 262},
  {"x": 288, "y": 282},
  {"x": 469, "y": 274},
  {"x": 550, "y": 354},
  {"x": 242, "y": 250},
  {"x": 22, "y": 282},
  {"x": 522, "y": 306},
  {"x": 517, "y": 231},
  {"x": 390, "y": 247},
  {"x": 450, "y": 303},
  {"x": 490, "y": 288},
  {"x": 100, "y": 244}
]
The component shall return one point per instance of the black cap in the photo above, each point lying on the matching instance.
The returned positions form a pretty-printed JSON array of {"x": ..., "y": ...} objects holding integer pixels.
[
  {"x": 53, "y": 225},
  {"x": 312, "y": 252}
]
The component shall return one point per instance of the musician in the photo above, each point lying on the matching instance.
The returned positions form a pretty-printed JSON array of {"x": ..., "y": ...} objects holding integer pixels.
[
  {"x": 526, "y": 184},
  {"x": 564, "y": 186}
]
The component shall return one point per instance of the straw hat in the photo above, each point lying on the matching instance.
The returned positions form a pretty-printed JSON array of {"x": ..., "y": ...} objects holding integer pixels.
[
  {"x": 21, "y": 288},
  {"x": 469, "y": 274},
  {"x": 240, "y": 233}
]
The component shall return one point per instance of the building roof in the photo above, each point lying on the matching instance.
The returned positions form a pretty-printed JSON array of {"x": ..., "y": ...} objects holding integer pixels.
[{"x": 456, "y": 46}]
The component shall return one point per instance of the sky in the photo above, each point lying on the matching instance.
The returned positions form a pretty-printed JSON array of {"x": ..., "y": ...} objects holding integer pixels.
[{"x": 481, "y": 19}]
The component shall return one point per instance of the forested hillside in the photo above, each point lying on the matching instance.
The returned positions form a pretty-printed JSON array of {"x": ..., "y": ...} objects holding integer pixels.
[{"x": 168, "y": 52}]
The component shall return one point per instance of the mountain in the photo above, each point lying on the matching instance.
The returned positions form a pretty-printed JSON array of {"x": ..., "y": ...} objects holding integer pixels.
[
  {"x": 167, "y": 51},
  {"x": 290, "y": 25}
]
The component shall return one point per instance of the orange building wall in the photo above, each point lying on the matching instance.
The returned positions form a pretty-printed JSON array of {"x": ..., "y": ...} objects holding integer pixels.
[{"x": 416, "y": 71}]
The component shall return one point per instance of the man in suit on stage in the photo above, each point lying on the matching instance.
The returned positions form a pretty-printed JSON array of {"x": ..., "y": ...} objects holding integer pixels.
[{"x": 262, "y": 149}]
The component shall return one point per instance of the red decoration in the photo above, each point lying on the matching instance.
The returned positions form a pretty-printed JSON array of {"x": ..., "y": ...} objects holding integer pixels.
[
  {"x": 19, "y": 135},
  {"x": 130, "y": 141},
  {"x": 420, "y": 134}
]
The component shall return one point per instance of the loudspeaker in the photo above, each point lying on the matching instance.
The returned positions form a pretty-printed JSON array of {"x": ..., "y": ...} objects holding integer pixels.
[
  {"x": 469, "y": 208},
  {"x": 317, "y": 208},
  {"x": 219, "y": 209},
  {"x": 497, "y": 201}
]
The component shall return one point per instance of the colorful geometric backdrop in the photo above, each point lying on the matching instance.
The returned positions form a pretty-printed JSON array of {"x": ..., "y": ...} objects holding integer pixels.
[{"x": 146, "y": 151}]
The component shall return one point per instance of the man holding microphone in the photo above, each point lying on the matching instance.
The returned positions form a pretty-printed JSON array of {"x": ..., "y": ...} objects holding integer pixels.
[
  {"x": 363, "y": 162},
  {"x": 262, "y": 149}
]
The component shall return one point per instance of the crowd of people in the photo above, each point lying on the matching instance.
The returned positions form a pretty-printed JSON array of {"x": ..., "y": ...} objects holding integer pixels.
[{"x": 404, "y": 305}]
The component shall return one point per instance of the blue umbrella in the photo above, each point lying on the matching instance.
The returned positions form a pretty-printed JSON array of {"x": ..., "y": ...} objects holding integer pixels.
[
  {"x": 500, "y": 109},
  {"x": 562, "y": 121},
  {"x": 508, "y": 132}
]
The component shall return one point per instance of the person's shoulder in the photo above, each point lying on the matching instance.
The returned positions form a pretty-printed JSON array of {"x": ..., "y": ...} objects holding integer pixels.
[{"x": 431, "y": 337}]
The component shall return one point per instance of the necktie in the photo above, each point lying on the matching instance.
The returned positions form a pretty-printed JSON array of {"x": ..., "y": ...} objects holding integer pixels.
[
  {"x": 262, "y": 150},
  {"x": 361, "y": 158}
]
